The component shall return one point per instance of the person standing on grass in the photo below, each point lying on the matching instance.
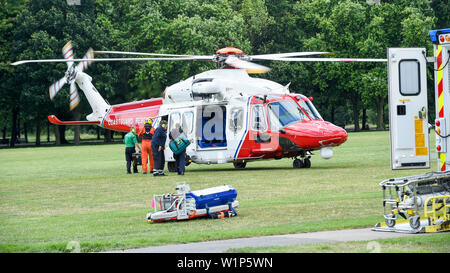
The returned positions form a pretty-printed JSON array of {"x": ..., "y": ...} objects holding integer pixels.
[
  {"x": 146, "y": 133},
  {"x": 158, "y": 144},
  {"x": 131, "y": 143},
  {"x": 180, "y": 159}
]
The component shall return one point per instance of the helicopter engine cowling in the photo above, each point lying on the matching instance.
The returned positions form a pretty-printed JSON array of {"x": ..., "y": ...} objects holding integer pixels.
[{"x": 206, "y": 86}]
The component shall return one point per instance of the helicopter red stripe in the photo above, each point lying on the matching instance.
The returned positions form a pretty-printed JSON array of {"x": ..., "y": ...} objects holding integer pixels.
[
  {"x": 69, "y": 57},
  {"x": 69, "y": 50},
  {"x": 54, "y": 120}
]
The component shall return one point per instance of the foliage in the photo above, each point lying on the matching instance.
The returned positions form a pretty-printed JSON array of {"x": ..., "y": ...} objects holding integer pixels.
[{"x": 34, "y": 29}]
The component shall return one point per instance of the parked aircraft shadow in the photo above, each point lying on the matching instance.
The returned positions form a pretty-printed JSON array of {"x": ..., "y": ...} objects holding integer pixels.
[{"x": 287, "y": 167}]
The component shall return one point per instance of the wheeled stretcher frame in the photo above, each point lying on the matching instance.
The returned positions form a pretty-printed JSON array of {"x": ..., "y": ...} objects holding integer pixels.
[{"x": 418, "y": 203}]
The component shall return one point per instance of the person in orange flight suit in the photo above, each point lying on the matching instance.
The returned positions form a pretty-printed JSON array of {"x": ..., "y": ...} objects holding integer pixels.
[{"x": 146, "y": 133}]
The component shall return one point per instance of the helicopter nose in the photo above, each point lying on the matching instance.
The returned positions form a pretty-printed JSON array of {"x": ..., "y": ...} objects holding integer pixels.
[
  {"x": 313, "y": 135},
  {"x": 333, "y": 135}
]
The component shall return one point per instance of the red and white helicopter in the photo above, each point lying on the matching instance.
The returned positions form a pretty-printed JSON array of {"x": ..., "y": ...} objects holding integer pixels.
[{"x": 227, "y": 115}]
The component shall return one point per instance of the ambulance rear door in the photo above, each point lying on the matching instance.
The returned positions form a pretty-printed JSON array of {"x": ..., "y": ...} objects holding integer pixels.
[{"x": 408, "y": 108}]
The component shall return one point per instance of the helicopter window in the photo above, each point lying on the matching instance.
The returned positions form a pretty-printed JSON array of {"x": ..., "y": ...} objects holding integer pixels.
[
  {"x": 274, "y": 122},
  {"x": 283, "y": 113},
  {"x": 211, "y": 127},
  {"x": 236, "y": 119},
  {"x": 259, "y": 118},
  {"x": 306, "y": 105},
  {"x": 174, "y": 119},
  {"x": 313, "y": 109},
  {"x": 188, "y": 119}
]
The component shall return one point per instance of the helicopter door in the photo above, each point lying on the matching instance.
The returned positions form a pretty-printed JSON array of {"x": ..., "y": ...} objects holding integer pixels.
[
  {"x": 408, "y": 108},
  {"x": 187, "y": 123},
  {"x": 211, "y": 127},
  {"x": 174, "y": 118},
  {"x": 259, "y": 127}
]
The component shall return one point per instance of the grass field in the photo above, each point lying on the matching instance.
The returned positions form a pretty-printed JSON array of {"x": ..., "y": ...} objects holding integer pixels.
[{"x": 50, "y": 196}]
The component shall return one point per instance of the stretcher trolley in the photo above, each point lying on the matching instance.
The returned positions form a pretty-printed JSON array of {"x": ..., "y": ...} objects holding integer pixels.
[
  {"x": 418, "y": 203},
  {"x": 216, "y": 202}
]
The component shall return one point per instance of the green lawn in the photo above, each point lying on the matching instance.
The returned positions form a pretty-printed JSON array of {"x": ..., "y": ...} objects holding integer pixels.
[{"x": 52, "y": 195}]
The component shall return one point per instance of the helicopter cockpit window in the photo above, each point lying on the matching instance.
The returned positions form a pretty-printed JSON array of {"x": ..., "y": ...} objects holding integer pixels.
[
  {"x": 174, "y": 119},
  {"x": 236, "y": 119},
  {"x": 274, "y": 122},
  {"x": 311, "y": 111},
  {"x": 283, "y": 113},
  {"x": 259, "y": 118},
  {"x": 188, "y": 120}
]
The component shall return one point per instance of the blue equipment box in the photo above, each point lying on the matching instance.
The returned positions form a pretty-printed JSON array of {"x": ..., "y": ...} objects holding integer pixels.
[{"x": 212, "y": 197}]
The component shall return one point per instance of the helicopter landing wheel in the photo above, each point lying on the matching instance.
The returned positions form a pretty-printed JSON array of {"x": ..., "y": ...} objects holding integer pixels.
[
  {"x": 307, "y": 163},
  {"x": 298, "y": 163},
  {"x": 239, "y": 165}
]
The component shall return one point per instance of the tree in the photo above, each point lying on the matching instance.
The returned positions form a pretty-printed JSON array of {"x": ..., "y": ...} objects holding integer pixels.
[
  {"x": 39, "y": 31},
  {"x": 397, "y": 24},
  {"x": 348, "y": 29},
  {"x": 337, "y": 27},
  {"x": 32, "y": 29},
  {"x": 8, "y": 96},
  {"x": 441, "y": 10},
  {"x": 258, "y": 23}
]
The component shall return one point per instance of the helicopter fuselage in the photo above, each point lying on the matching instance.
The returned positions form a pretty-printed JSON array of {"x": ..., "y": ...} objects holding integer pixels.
[{"x": 229, "y": 116}]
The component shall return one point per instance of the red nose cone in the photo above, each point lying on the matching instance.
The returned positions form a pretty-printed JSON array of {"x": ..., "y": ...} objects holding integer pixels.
[
  {"x": 334, "y": 135},
  {"x": 316, "y": 134}
]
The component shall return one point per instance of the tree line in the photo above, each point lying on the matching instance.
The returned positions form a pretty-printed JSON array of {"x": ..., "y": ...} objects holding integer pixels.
[{"x": 345, "y": 93}]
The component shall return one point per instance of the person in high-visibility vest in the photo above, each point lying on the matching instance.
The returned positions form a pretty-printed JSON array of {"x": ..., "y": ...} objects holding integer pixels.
[
  {"x": 146, "y": 133},
  {"x": 131, "y": 142}
]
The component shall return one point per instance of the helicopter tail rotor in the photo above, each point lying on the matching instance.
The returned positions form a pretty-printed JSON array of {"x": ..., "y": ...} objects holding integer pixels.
[
  {"x": 89, "y": 56},
  {"x": 68, "y": 53},
  {"x": 71, "y": 74},
  {"x": 54, "y": 88},
  {"x": 74, "y": 97}
]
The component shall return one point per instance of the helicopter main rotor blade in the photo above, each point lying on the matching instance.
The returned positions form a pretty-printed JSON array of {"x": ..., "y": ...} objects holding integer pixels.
[
  {"x": 328, "y": 60},
  {"x": 289, "y": 54},
  {"x": 139, "y": 53},
  {"x": 113, "y": 60},
  {"x": 194, "y": 57}
]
